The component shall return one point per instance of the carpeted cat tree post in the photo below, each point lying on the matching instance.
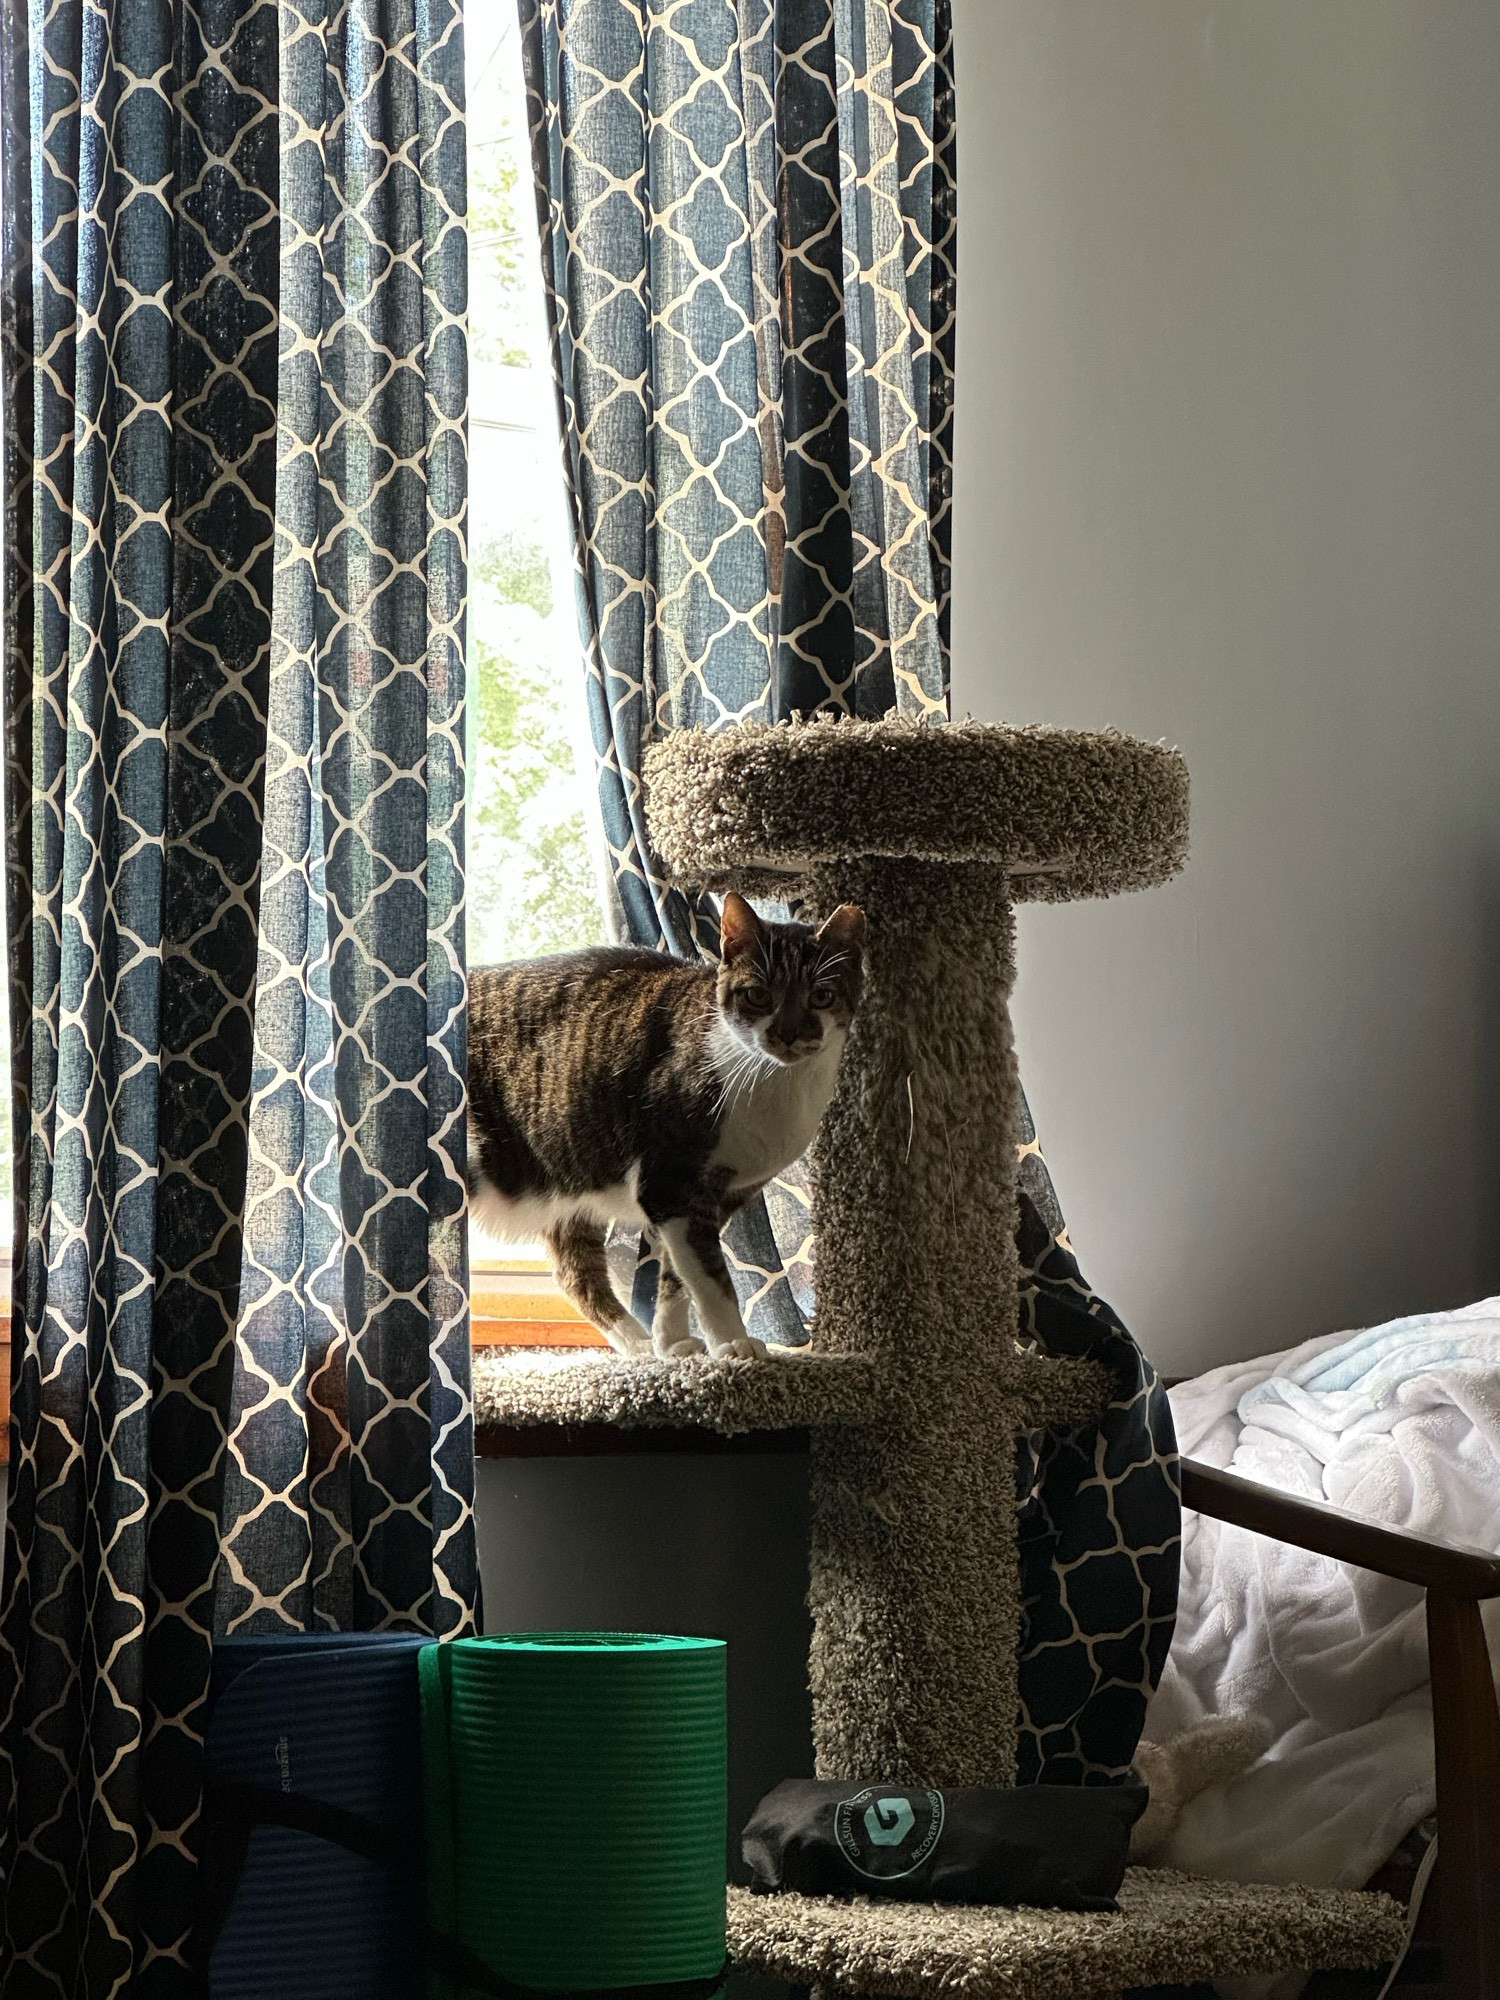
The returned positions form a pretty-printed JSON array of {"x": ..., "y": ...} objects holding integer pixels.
[{"x": 937, "y": 833}]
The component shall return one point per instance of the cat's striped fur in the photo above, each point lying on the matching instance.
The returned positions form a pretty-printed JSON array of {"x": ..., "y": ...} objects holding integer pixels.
[{"x": 620, "y": 1085}]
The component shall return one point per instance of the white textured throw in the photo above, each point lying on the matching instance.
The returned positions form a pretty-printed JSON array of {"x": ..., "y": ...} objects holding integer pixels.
[{"x": 1400, "y": 1423}]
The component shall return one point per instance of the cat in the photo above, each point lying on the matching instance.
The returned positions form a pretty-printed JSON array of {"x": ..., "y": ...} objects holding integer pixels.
[{"x": 621, "y": 1085}]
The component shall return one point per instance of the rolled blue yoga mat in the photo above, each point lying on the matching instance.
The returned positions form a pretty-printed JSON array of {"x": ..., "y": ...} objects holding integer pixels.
[
  {"x": 576, "y": 1801},
  {"x": 332, "y": 1721}
]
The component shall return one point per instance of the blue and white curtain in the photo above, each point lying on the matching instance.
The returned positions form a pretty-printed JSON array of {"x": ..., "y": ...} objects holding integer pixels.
[
  {"x": 234, "y": 483},
  {"x": 747, "y": 213},
  {"x": 1100, "y": 1520}
]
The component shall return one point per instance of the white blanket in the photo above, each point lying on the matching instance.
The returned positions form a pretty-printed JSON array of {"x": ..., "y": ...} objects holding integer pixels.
[{"x": 1400, "y": 1423}]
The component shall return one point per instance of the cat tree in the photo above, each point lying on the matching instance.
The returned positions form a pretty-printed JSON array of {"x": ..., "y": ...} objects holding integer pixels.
[
  {"x": 915, "y": 1390},
  {"x": 937, "y": 833}
]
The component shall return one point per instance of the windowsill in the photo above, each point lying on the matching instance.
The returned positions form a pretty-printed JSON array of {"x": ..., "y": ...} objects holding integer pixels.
[
  {"x": 531, "y": 1318},
  {"x": 514, "y": 1302}
]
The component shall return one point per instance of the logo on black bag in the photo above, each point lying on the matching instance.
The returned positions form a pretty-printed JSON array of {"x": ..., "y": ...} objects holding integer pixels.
[{"x": 885, "y": 1834}]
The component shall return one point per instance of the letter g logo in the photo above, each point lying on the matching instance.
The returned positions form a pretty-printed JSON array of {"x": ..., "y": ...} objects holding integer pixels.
[{"x": 888, "y": 1822}]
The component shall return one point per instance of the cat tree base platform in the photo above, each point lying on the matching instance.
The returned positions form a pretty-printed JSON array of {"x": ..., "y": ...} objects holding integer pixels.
[
  {"x": 518, "y": 1387},
  {"x": 1171, "y": 1930}
]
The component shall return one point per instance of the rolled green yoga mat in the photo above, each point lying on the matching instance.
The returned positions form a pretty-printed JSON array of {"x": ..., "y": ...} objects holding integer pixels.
[{"x": 576, "y": 1801}]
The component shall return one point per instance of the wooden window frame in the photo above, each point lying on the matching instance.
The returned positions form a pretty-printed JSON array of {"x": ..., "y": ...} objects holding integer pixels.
[{"x": 514, "y": 1302}]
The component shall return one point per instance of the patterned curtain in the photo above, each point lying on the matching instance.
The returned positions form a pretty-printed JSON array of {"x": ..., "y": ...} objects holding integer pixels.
[
  {"x": 1100, "y": 1520},
  {"x": 234, "y": 506},
  {"x": 747, "y": 215}
]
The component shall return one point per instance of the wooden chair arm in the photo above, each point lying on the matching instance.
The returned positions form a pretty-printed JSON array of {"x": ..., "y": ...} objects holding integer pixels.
[
  {"x": 1448, "y": 1567},
  {"x": 1465, "y": 1717}
]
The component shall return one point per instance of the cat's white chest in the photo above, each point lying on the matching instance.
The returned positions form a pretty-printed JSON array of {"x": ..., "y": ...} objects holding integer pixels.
[{"x": 773, "y": 1121}]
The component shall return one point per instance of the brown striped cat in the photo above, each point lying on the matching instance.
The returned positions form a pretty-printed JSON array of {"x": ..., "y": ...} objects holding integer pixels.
[{"x": 620, "y": 1085}]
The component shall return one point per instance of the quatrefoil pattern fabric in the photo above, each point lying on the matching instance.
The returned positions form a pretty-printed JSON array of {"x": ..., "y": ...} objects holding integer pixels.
[
  {"x": 747, "y": 211},
  {"x": 234, "y": 490},
  {"x": 1099, "y": 1520},
  {"x": 748, "y": 229}
]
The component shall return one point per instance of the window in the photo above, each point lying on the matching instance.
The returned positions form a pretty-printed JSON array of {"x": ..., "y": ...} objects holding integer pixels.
[
  {"x": 534, "y": 860},
  {"x": 533, "y": 885}
]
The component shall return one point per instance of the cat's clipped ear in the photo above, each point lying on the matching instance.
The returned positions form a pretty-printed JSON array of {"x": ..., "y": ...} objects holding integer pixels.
[
  {"x": 845, "y": 929},
  {"x": 739, "y": 928}
]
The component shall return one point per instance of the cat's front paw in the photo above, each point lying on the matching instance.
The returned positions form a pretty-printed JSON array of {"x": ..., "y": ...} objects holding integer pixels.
[
  {"x": 743, "y": 1348},
  {"x": 627, "y": 1336},
  {"x": 676, "y": 1347}
]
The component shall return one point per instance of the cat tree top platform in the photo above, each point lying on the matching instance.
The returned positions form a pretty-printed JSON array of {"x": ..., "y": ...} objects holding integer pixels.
[
  {"x": 518, "y": 1388},
  {"x": 1172, "y": 1929},
  {"x": 1067, "y": 813}
]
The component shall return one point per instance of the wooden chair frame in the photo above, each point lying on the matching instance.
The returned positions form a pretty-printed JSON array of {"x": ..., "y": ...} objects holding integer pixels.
[{"x": 1465, "y": 1718}]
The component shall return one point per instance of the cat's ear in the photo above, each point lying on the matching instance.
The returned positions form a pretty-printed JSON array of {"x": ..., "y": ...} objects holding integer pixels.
[
  {"x": 845, "y": 929},
  {"x": 739, "y": 928}
]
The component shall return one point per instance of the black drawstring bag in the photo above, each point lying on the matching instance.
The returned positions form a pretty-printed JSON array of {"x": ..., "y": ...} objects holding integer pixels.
[{"x": 1058, "y": 1847}]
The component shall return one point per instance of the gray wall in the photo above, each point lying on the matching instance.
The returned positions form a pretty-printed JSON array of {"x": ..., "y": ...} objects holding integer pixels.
[{"x": 1229, "y": 474}]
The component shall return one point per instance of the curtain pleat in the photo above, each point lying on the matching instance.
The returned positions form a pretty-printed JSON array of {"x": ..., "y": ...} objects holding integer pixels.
[{"x": 351, "y": 1389}]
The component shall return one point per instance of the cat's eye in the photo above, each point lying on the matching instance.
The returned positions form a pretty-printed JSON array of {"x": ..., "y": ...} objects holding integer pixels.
[
  {"x": 824, "y": 995},
  {"x": 758, "y": 999}
]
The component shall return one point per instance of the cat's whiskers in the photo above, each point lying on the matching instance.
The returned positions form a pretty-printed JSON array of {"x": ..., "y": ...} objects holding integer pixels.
[
  {"x": 741, "y": 1076},
  {"x": 729, "y": 1094},
  {"x": 714, "y": 1071}
]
